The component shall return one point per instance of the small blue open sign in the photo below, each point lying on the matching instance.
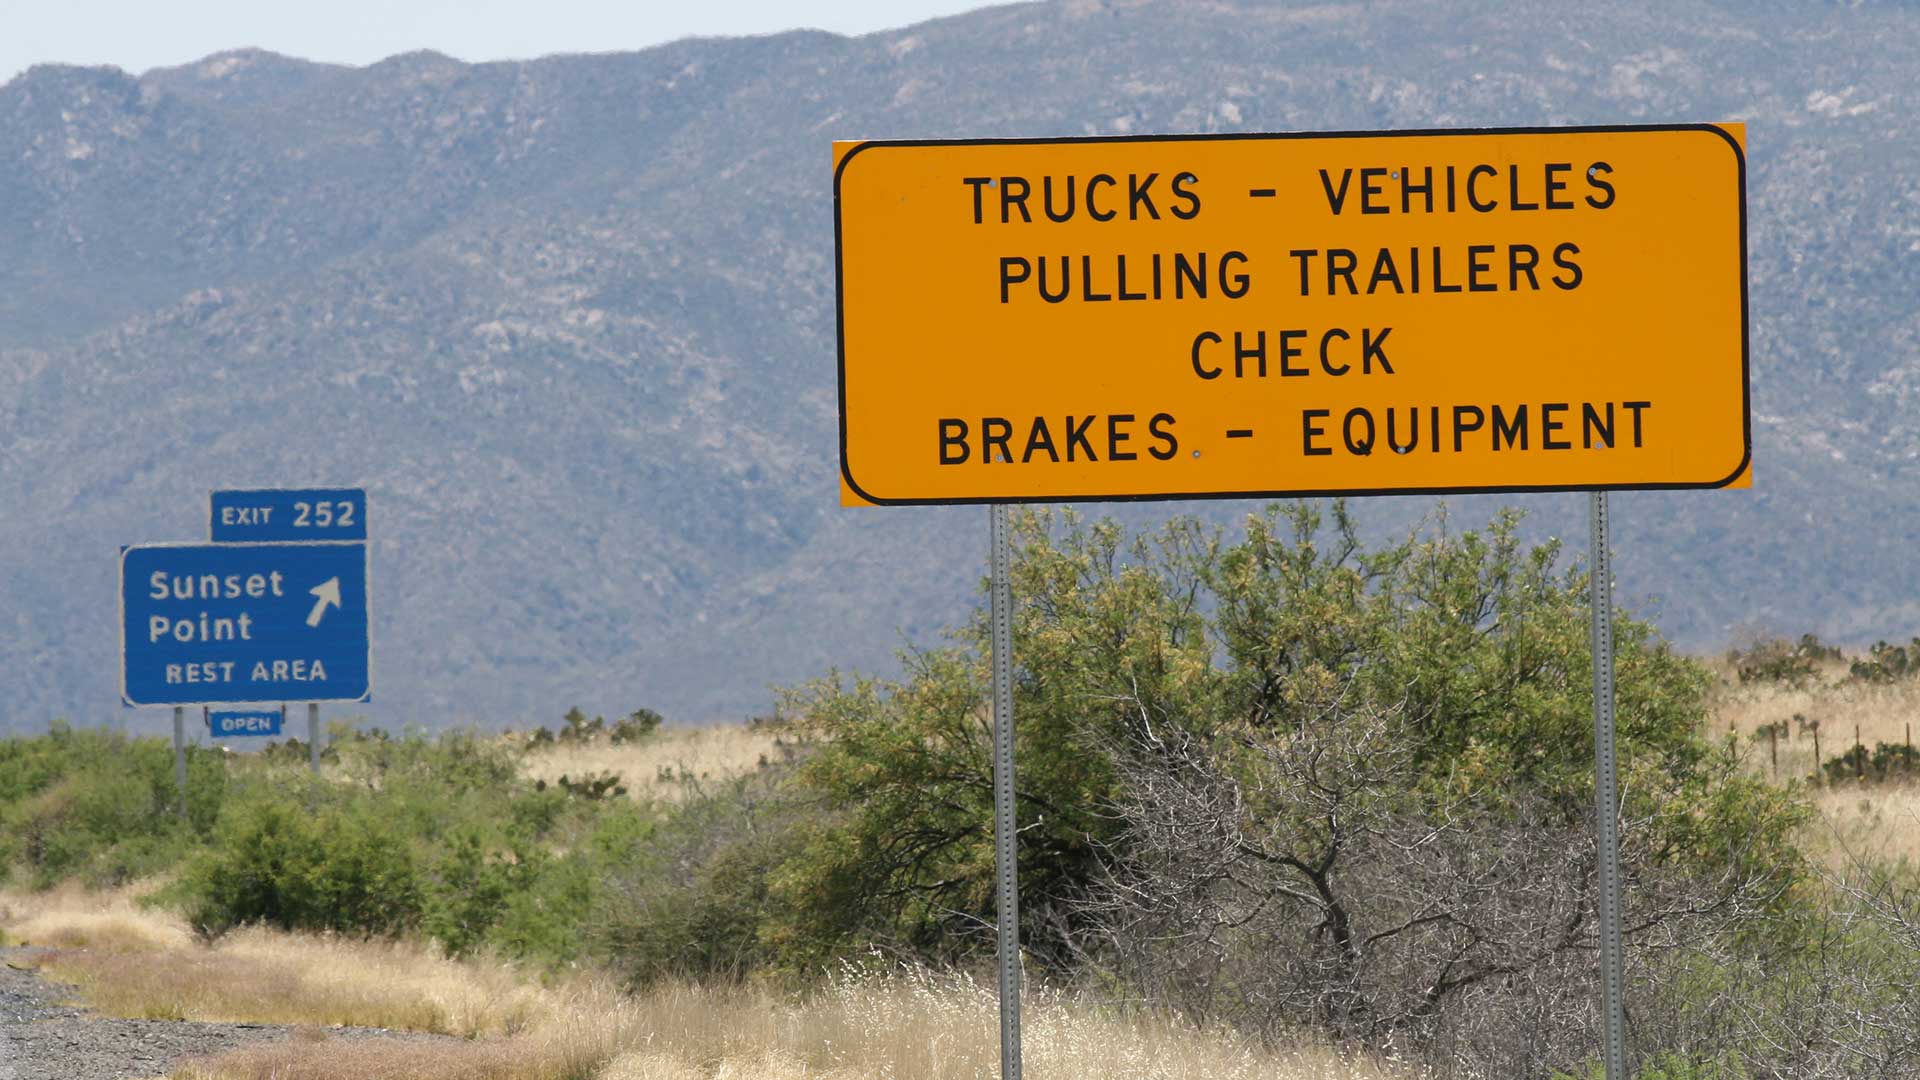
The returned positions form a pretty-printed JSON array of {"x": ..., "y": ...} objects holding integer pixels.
[{"x": 230, "y": 724}]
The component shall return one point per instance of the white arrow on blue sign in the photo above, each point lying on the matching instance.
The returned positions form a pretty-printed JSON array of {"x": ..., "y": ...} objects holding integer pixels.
[{"x": 211, "y": 623}]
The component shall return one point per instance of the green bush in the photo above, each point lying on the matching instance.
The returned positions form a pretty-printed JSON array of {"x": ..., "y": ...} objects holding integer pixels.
[
  {"x": 590, "y": 786},
  {"x": 688, "y": 893},
  {"x": 273, "y": 861},
  {"x": 636, "y": 726},
  {"x": 547, "y": 917},
  {"x": 436, "y": 834},
  {"x": 1480, "y": 645},
  {"x": 520, "y": 899},
  {"x": 1886, "y": 663},
  {"x": 439, "y": 836},
  {"x": 100, "y": 806},
  {"x": 467, "y": 891},
  {"x": 1777, "y": 660},
  {"x": 578, "y": 729},
  {"x": 1886, "y": 761}
]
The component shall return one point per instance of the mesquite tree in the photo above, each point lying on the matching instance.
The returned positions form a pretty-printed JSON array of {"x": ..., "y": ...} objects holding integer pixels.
[{"x": 1287, "y": 781}]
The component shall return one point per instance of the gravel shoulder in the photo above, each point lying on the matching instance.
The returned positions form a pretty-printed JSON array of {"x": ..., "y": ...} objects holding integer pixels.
[{"x": 43, "y": 1036}]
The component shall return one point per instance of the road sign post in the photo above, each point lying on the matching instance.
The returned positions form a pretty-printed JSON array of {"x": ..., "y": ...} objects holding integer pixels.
[
  {"x": 180, "y": 756},
  {"x": 1606, "y": 791},
  {"x": 243, "y": 623},
  {"x": 1006, "y": 831},
  {"x": 313, "y": 736},
  {"x": 1231, "y": 316}
]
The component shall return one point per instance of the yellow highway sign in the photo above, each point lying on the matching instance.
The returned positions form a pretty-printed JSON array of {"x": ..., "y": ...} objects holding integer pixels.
[{"x": 1264, "y": 315}]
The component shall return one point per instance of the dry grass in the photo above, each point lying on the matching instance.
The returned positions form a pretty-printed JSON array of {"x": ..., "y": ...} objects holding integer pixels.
[
  {"x": 143, "y": 963},
  {"x": 70, "y": 917},
  {"x": 261, "y": 976},
  {"x": 1881, "y": 712},
  {"x": 387, "y": 1059},
  {"x": 1873, "y": 821},
  {"x": 662, "y": 766},
  {"x": 908, "y": 1025},
  {"x": 898, "y": 1026}
]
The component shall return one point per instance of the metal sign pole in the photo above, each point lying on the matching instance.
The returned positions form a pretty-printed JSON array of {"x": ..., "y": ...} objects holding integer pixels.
[
  {"x": 1606, "y": 793},
  {"x": 313, "y": 735},
  {"x": 1004, "y": 835},
  {"x": 180, "y": 755}
]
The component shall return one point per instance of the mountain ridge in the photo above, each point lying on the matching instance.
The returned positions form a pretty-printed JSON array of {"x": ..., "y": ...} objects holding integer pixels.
[{"x": 571, "y": 320}]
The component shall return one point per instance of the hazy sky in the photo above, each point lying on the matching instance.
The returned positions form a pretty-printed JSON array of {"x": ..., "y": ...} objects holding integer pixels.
[{"x": 142, "y": 34}]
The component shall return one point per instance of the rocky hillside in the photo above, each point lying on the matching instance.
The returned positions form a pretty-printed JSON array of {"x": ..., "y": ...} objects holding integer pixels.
[{"x": 571, "y": 321}]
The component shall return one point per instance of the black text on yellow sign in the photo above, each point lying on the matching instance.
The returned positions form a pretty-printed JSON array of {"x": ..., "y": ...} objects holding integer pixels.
[{"x": 1228, "y": 316}]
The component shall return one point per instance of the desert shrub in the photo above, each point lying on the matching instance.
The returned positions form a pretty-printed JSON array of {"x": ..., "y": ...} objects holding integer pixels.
[
  {"x": 1374, "y": 816},
  {"x": 1777, "y": 660},
  {"x": 902, "y": 854},
  {"x": 466, "y": 892},
  {"x": 438, "y": 835},
  {"x": 591, "y": 786},
  {"x": 290, "y": 750},
  {"x": 1894, "y": 761},
  {"x": 274, "y": 860},
  {"x": 1286, "y": 781},
  {"x": 1826, "y": 991},
  {"x": 1847, "y": 766},
  {"x": 474, "y": 894},
  {"x": 30, "y": 765},
  {"x": 451, "y": 762},
  {"x": 1885, "y": 663},
  {"x": 534, "y": 812},
  {"x": 1886, "y": 761},
  {"x": 293, "y": 751},
  {"x": 688, "y": 893},
  {"x": 636, "y": 726},
  {"x": 430, "y": 787},
  {"x": 100, "y": 806},
  {"x": 576, "y": 728},
  {"x": 546, "y": 916}
]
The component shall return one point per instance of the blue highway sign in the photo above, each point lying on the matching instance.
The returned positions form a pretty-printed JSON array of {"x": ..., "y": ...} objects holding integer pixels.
[
  {"x": 213, "y": 623},
  {"x": 301, "y": 515},
  {"x": 226, "y": 725}
]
